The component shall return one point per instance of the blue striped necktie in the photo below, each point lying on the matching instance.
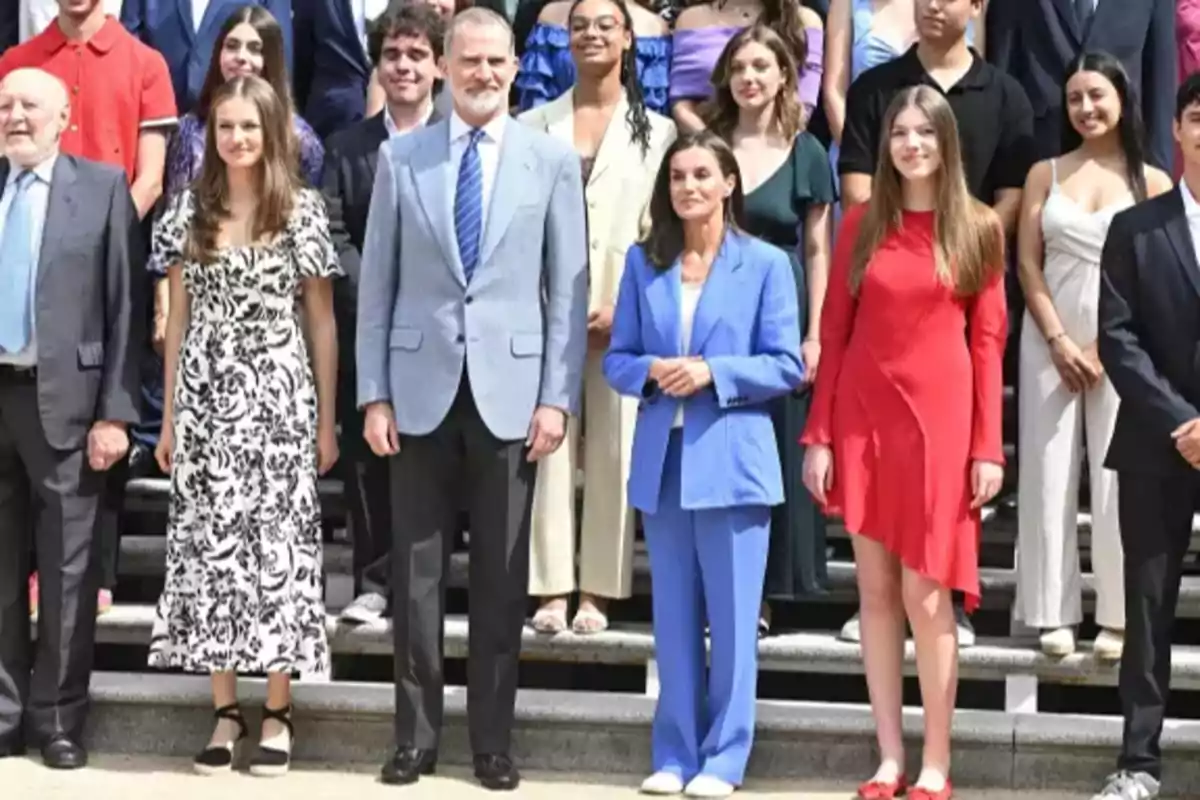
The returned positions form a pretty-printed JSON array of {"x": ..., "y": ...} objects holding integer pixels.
[
  {"x": 16, "y": 268},
  {"x": 468, "y": 205}
]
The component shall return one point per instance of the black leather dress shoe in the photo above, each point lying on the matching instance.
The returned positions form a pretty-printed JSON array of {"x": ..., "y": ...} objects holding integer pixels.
[
  {"x": 61, "y": 753},
  {"x": 497, "y": 772},
  {"x": 407, "y": 765}
]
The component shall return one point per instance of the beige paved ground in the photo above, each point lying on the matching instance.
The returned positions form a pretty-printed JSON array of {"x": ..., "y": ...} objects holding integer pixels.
[{"x": 117, "y": 778}]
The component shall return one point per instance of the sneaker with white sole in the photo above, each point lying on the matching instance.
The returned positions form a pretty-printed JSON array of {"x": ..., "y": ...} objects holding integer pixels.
[
  {"x": 1125, "y": 785},
  {"x": 365, "y": 609},
  {"x": 662, "y": 784},
  {"x": 708, "y": 786},
  {"x": 852, "y": 630}
]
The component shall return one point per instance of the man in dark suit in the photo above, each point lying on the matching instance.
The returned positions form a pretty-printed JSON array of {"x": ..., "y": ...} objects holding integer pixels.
[
  {"x": 1036, "y": 41},
  {"x": 1149, "y": 330},
  {"x": 69, "y": 381},
  {"x": 405, "y": 45},
  {"x": 332, "y": 69}
]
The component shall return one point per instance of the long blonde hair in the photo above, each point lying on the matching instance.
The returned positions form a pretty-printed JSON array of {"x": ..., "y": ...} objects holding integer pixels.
[{"x": 968, "y": 238}]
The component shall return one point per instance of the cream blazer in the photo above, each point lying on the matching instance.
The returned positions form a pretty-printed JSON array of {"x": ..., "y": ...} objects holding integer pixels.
[{"x": 618, "y": 190}]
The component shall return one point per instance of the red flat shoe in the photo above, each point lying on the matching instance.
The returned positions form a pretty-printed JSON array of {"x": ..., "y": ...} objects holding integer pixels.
[
  {"x": 883, "y": 790},
  {"x": 920, "y": 793}
]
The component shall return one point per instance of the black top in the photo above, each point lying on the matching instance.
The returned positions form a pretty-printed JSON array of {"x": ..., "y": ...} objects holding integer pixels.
[{"x": 995, "y": 121}]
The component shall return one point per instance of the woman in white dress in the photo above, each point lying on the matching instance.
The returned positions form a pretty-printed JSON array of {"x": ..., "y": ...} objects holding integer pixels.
[
  {"x": 1067, "y": 404},
  {"x": 247, "y": 423}
]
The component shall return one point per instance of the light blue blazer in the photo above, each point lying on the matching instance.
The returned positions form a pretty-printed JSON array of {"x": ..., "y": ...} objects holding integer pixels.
[{"x": 747, "y": 328}]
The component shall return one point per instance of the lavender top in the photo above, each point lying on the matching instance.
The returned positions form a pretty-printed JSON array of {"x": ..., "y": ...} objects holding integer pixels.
[{"x": 696, "y": 51}]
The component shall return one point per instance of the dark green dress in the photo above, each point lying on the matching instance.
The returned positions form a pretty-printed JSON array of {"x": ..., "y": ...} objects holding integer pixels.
[{"x": 775, "y": 212}]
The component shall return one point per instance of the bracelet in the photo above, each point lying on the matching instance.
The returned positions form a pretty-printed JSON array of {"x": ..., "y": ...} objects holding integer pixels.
[{"x": 1055, "y": 337}]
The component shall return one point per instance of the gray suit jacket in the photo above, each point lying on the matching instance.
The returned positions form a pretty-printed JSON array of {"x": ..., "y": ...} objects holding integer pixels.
[
  {"x": 519, "y": 327},
  {"x": 90, "y": 310}
]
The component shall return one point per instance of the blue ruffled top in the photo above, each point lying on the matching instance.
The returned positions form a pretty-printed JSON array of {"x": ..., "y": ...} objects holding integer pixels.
[{"x": 547, "y": 69}]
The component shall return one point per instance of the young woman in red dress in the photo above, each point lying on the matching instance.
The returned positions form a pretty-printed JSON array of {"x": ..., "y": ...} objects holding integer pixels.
[{"x": 904, "y": 437}]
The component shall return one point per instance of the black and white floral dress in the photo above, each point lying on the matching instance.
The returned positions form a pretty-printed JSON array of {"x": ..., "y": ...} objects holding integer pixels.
[{"x": 243, "y": 584}]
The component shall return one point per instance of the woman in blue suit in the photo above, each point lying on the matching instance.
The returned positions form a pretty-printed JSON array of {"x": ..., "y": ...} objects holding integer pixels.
[{"x": 705, "y": 332}]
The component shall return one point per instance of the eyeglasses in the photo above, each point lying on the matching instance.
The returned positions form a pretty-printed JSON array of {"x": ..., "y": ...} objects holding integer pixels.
[{"x": 604, "y": 25}]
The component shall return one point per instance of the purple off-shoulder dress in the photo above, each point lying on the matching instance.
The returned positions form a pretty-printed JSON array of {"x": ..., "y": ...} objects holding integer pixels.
[
  {"x": 186, "y": 153},
  {"x": 696, "y": 51}
]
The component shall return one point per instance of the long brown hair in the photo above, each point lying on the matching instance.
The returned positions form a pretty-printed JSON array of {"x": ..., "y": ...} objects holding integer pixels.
[
  {"x": 277, "y": 178},
  {"x": 721, "y": 112},
  {"x": 968, "y": 239},
  {"x": 274, "y": 68},
  {"x": 664, "y": 242}
]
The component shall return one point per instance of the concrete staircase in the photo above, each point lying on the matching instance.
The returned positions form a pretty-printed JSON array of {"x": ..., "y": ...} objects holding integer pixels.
[{"x": 593, "y": 731}]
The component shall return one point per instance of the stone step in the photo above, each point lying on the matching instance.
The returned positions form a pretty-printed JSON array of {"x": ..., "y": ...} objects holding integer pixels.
[
  {"x": 608, "y": 733},
  {"x": 145, "y": 557},
  {"x": 1018, "y": 664}
]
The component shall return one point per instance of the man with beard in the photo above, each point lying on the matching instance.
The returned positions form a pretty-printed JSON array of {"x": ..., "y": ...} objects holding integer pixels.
[
  {"x": 472, "y": 334},
  {"x": 405, "y": 45}
]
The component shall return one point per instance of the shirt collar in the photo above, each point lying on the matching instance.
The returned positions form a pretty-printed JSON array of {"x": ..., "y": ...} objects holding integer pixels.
[
  {"x": 1190, "y": 206},
  {"x": 44, "y": 170},
  {"x": 390, "y": 124},
  {"x": 53, "y": 39},
  {"x": 493, "y": 131},
  {"x": 976, "y": 77}
]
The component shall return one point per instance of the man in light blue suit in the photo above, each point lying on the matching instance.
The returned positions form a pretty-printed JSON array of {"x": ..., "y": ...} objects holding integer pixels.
[
  {"x": 185, "y": 31},
  {"x": 705, "y": 332},
  {"x": 472, "y": 334}
]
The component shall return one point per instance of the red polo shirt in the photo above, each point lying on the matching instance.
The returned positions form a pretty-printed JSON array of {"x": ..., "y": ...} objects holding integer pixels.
[{"x": 118, "y": 87}]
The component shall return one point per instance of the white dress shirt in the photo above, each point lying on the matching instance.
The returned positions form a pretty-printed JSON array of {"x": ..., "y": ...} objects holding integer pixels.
[
  {"x": 366, "y": 12},
  {"x": 689, "y": 300},
  {"x": 489, "y": 157},
  {"x": 1192, "y": 208},
  {"x": 199, "y": 7},
  {"x": 389, "y": 124},
  {"x": 39, "y": 195},
  {"x": 37, "y": 14}
]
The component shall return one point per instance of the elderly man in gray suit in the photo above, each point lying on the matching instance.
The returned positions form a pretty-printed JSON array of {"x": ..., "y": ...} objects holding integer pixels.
[
  {"x": 69, "y": 383},
  {"x": 472, "y": 334}
]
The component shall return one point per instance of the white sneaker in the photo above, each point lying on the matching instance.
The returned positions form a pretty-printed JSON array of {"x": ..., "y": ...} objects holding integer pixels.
[
  {"x": 365, "y": 609},
  {"x": 662, "y": 783},
  {"x": 1109, "y": 645},
  {"x": 1058, "y": 642},
  {"x": 851, "y": 631},
  {"x": 708, "y": 786}
]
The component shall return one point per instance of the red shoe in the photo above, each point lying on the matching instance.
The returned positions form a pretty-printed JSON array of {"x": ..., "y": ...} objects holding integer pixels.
[
  {"x": 33, "y": 597},
  {"x": 919, "y": 793},
  {"x": 882, "y": 790}
]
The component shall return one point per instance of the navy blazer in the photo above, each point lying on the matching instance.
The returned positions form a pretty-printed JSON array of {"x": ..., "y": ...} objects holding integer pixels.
[
  {"x": 747, "y": 328},
  {"x": 1149, "y": 329},
  {"x": 10, "y": 24},
  {"x": 1036, "y": 40},
  {"x": 332, "y": 67},
  {"x": 167, "y": 26}
]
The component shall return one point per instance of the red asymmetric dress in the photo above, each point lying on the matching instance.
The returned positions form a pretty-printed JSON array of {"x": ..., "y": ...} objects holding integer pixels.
[{"x": 909, "y": 393}]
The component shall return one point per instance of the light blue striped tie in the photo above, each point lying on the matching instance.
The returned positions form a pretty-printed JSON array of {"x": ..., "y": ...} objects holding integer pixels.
[
  {"x": 16, "y": 268},
  {"x": 468, "y": 205}
]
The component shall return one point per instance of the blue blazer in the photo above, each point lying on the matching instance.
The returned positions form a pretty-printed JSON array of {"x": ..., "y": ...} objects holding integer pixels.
[
  {"x": 167, "y": 26},
  {"x": 747, "y": 327},
  {"x": 332, "y": 68}
]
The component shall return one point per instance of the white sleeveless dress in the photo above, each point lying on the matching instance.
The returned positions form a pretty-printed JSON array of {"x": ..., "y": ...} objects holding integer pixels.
[{"x": 1054, "y": 426}]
